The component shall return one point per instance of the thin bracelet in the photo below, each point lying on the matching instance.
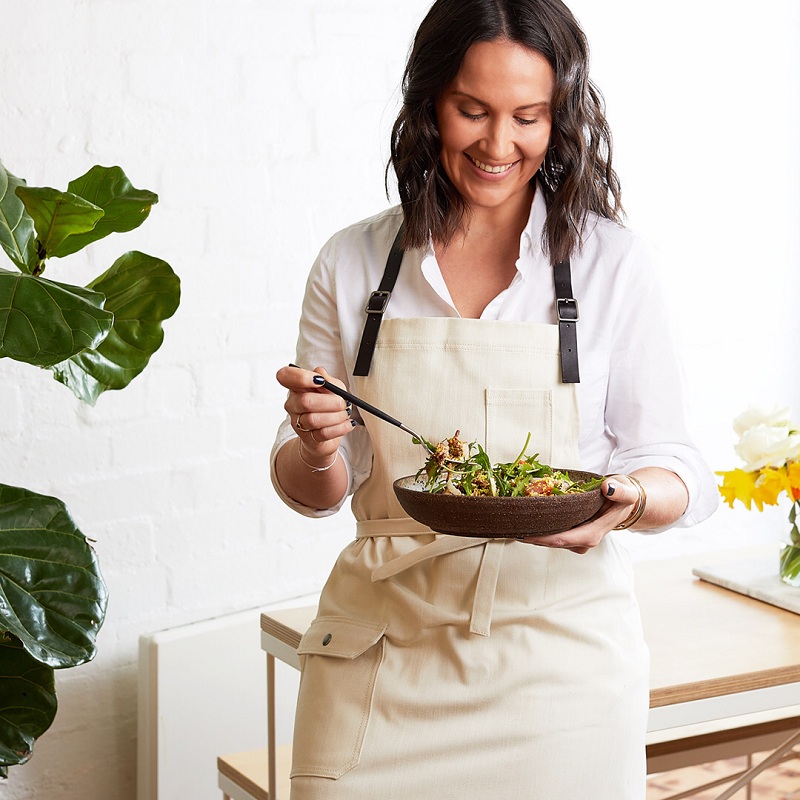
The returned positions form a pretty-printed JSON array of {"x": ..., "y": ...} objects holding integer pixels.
[
  {"x": 313, "y": 468},
  {"x": 638, "y": 509}
]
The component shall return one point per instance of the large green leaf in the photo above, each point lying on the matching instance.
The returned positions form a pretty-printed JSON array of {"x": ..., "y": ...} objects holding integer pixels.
[
  {"x": 27, "y": 702},
  {"x": 17, "y": 236},
  {"x": 124, "y": 206},
  {"x": 57, "y": 215},
  {"x": 43, "y": 322},
  {"x": 141, "y": 291},
  {"x": 52, "y": 595}
]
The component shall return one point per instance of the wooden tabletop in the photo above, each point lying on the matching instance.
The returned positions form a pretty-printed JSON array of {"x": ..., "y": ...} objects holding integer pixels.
[{"x": 706, "y": 641}]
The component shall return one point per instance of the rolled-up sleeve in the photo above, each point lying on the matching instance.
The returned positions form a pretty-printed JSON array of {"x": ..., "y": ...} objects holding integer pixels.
[
  {"x": 319, "y": 345},
  {"x": 645, "y": 408}
]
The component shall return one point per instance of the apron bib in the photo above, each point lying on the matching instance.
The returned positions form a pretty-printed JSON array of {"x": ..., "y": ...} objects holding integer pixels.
[{"x": 443, "y": 666}]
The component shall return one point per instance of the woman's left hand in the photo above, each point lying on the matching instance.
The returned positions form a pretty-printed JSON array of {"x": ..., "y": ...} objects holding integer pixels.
[
  {"x": 620, "y": 498},
  {"x": 667, "y": 499}
]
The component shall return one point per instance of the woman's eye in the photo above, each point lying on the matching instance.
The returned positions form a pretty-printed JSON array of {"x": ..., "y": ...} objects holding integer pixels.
[
  {"x": 466, "y": 114},
  {"x": 522, "y": 121}
]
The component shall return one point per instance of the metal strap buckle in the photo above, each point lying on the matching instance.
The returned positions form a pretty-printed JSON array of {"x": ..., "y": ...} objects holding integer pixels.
[
  {"x": 377, "y": 302},
  {"x": 567, "y": 308}
]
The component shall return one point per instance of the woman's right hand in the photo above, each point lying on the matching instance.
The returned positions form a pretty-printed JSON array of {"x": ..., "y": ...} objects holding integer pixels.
[
  {"x": 308, "y": 467},
  {"x": 319, "y": 418}
]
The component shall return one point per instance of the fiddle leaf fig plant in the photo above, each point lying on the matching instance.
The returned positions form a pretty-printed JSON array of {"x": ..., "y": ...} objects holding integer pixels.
[{"x": 92, "y": 338}]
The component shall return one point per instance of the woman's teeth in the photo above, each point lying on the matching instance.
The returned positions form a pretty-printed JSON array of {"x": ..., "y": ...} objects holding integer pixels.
[{"x": 489, "y": 168}]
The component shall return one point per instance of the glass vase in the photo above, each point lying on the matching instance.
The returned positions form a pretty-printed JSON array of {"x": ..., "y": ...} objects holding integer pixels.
[{"x": 789, "y": 569}]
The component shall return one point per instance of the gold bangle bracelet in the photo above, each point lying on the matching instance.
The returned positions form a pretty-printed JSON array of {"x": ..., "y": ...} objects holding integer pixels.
[
  {"x": 638, "y": 509},
  {"x": 311, "y": 466}
]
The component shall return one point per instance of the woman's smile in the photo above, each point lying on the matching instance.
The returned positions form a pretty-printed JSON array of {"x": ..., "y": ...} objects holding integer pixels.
[{"x": 489, "y": 168}]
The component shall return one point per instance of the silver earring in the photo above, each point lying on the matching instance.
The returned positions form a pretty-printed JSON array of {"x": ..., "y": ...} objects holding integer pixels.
[{"x": 552, "y": 170}]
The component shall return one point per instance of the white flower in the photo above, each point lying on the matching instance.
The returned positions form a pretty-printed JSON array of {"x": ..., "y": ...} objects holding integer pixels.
[
  {"x": 756, "y": 415},
  {"x": 766, "y": 438}
]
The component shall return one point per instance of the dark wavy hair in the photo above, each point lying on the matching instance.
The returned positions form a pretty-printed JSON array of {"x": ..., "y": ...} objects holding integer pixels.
[{"x": 576, "y": 177}]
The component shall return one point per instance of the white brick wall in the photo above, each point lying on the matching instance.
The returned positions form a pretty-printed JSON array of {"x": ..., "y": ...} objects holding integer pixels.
[{"x": 263, "y": 128}]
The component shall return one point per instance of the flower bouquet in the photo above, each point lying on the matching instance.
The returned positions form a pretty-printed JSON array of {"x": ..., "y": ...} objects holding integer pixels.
[{"x": 769, "y": 444}]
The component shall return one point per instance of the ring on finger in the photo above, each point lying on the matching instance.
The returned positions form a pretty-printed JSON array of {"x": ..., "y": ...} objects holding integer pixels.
[
  {"x": 314, "y": 437},
  {"x": 299, "y": 426}
]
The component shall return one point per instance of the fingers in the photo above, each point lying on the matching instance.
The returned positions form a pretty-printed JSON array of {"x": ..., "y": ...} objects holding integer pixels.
[
  {"x": 297, "y": 379},
  {"x": 305, "y": 397},
  {"x": 320, "y": 428},
  {"x": 620, "y": 498},
  {"x": 618, "y": 489},
  {"x": 578, "y": 540},
  {"x": 319, "y": 417}
]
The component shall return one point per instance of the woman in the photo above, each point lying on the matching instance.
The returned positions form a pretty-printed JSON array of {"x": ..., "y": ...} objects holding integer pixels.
[{"x": 439, "y": 665}]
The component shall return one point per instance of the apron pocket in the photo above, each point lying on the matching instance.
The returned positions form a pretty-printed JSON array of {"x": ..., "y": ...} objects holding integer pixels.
[
  {"x": 340, "y": 660},
  {"x": 510, "y": 414}
]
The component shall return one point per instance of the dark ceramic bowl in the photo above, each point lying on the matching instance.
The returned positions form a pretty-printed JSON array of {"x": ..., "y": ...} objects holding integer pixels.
[{"x": 498, "y": 517}]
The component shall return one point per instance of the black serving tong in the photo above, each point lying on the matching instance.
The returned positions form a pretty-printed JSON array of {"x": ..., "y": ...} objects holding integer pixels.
[{"x": 376, "y": 412}]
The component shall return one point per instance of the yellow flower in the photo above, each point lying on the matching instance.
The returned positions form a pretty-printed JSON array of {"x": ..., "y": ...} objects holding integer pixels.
[
  {"x": 793, "y": 474},
  {"x": 740, "y": 485},
  {"x": 771, "y": 483}
]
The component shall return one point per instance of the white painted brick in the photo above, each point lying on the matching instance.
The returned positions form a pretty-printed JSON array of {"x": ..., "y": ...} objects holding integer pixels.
[
  {"x": 269, "y": 394},
  {"x": 69, "y": 456},
  {"x": 250, "y": 429},
  {"x": 226, "y": 384},
  {"x": 235, "y": 564},
  {"x": 113, "y": 408},
  {"x": 10, "y": 406},
  {"x": 136, "y": 595},
  {"x": 128, "y": 545},
  {"x": 171, "y": 389},
  {"x": 194, "y": 336},
  {"x": 120, "y": 497},
  {"x": 146, "y": 25},
  {"x": 250, "y": 331},
  {"x": 163, "y": 443},
  {"x": 213, "y": 484}
]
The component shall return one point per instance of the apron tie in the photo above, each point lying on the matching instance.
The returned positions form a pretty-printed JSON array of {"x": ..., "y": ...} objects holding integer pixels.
[{"x": 483, "y": 602}]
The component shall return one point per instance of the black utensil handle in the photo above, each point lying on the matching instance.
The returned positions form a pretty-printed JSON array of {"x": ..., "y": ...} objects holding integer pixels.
[
  {"x": 357, "y": 401},
  {"x": 362, "y": 404}
]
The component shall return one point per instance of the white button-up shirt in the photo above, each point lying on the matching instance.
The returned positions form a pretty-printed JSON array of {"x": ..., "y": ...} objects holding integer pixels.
[{"x": 630, "y": 397}]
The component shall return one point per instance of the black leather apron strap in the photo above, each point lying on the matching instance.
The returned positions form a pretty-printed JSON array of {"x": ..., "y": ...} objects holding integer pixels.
[
  {"x": 376, "y": 305},
  {"x": 567, "y": 313},
  {"x": 566, "y": 310}
]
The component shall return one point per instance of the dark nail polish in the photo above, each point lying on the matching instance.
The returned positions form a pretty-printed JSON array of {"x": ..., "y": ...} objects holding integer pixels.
[
  {"x": 353, "y": 422},
  {"x": 319, "y": 380},
  {"x": 610, "y": 490}
]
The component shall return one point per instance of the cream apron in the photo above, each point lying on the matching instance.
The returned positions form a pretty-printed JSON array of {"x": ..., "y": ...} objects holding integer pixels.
[{"x": 449, "y": 667}]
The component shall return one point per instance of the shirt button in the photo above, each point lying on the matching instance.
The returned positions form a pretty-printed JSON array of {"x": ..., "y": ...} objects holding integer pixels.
[{"x": 326, "y": 640}]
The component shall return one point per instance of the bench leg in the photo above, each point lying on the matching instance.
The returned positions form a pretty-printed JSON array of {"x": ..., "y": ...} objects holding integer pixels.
[{"x": 271, "y": 725}]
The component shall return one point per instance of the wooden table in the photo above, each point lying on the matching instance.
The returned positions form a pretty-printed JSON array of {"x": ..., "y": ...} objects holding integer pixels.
[{"x": 725, "y": 668}]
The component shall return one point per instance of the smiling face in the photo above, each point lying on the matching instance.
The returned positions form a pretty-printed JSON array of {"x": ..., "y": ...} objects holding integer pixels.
[{"x": 494, "y": 122}]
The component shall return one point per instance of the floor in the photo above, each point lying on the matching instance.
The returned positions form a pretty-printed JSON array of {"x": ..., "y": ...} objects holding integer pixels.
[{"x": 780, "y": 782}]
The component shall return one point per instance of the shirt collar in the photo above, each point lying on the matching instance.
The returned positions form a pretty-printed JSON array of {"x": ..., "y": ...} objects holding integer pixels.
[{"x": 530, "y": 247}]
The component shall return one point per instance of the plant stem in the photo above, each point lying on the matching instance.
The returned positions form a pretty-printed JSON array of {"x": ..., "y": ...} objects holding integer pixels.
[
  {"x": 522, "y": 452},
  {"x": 790, "y": 563}
]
